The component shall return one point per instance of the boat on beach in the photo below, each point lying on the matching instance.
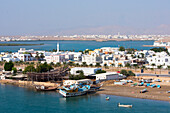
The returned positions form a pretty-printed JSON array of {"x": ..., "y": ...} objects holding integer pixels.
[
  {"x": 168, "y": 92},
  {"x": 126, "y": 106},
  {"x": 74, "y": 90},
  {"x": 143, "y": 91},
  {"x": 153, "y": 85}
]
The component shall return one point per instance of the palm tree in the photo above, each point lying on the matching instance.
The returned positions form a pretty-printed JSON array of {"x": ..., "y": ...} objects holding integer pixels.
[
  {"x": 153, "y": 65},
  {"x": 57, "y": 64},
  {"x": 105, "y": 65},
  {"x": 112, "y": 64},
  {"x": 135, "y": 65},
  {"x": 37, "y": 56},
  {"x": 120, "y": 65},
  {"x": 91, "y": 65},
  {"x": 84, "y": 64},
  {"x": 42, "y": 56},
  {"x": 77, "y": 64},
  {"x": 70, "y": 63},
  {"x": 160, "y": 67},
  {"x": 127, "y": 65},
  {"x": 98, "y": 65}
]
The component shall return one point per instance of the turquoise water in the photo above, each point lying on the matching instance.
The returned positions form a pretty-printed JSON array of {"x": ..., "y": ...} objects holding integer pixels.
[
  {"x": 21, "y": 100},
  {"x": 76, "y": 45}
]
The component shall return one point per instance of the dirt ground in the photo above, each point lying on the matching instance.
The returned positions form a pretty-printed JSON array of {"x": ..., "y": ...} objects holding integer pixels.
[
  {"x": 129, "y": 91},
  {"x": 147, "y": 71}
]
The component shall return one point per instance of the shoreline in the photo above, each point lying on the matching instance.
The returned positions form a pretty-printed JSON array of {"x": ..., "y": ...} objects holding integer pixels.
[{"x": 125, "y": 90}]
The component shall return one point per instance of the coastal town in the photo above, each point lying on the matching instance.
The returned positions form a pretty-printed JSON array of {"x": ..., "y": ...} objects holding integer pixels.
[
  {"x": 84, "y": 56},
  {"x": 115, "y": 37},
  {"x": 107, "y": 68}
]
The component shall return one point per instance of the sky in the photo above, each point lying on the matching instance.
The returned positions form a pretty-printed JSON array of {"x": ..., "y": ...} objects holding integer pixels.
[{"x": 69, "y": 17}]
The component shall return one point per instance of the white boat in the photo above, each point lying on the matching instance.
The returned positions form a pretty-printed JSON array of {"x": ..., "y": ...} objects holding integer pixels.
[
  {"x": 74, "y": 90},
  {"x": 71, "y": 94},
  {"x": 126, "y": 106}
]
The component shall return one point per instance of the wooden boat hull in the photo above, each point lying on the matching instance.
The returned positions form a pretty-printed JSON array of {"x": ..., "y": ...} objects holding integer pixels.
[{"x": 46, "y": 89}]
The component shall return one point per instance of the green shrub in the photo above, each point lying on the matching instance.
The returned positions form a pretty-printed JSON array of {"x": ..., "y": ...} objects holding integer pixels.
[
  {"x": 100, "y": 71},
  {"x": 8, "y": 66}
]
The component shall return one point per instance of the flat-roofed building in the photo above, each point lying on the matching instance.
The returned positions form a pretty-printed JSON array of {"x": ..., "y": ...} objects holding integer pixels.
[
  {"x": 87, "y": 71},
  {"x": 108, "y": 76}
]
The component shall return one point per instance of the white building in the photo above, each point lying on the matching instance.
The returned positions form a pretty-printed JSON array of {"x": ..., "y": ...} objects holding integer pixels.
[
  {"x": 168, "y": 47},
  {"x": 109, "y": 49},
  {"x": 23, "y": 50},
  {"x": 55, "y": 58},
  {"x": 91, "y": 59},
  {"x": 25, "y": 57},
  {"x": 87, "y": 71},
  {"x": 107, "y": 76},
  {"x": 107, "y": 59},
  {"x": 163, "y": 44},
  {"x": 159, "y": 59}
]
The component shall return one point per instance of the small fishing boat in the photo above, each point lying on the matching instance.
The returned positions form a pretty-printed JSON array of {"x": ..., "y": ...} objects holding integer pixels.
[
  {"x": 135, "y": 84},
  {"x": 153, "y": 85},
  {"x": 168, "y": 92},
  {"x": 126, "y": 106},
  {"x": 148, "y": 84},
  {"x": 141, "y": 84},
  {"x": 158, "y": 86},
  {"x": 44, "y": 88},
  {"x": 143, "y": 91},
  {"x": 107, "y": 98}
]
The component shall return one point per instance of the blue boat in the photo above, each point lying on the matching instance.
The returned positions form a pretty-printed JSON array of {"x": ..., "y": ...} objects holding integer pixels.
[
  {"x": 141, "y": 84},
  {"x": 158, "y": 86},
  {"x": 148, "y": 84},
  {"x": 153, "y": 85},
  {"x": 74, "y": 90},
  {"x": 144, "y": 90}
]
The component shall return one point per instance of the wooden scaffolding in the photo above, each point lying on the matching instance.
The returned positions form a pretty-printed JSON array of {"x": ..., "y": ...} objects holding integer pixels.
[{"x": 55, "y": 75}]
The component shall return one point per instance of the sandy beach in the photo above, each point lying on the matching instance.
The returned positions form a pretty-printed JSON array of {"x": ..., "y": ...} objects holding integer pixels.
[{"x": 128, "y": 91}]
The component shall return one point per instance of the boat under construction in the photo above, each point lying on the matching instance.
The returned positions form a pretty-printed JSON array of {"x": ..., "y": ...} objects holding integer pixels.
[{"x": 55, "y": 75}]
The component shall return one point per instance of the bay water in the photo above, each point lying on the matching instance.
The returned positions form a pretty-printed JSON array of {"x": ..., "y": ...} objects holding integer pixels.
[
  {"x": 15, "y": 99},
  {"x": 75, "y": 45}
]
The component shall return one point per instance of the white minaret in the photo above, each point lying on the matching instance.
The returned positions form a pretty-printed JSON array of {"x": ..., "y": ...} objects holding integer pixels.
[
  {"x": 118, "y": 34},
  {"x": 58, "y": 47}
]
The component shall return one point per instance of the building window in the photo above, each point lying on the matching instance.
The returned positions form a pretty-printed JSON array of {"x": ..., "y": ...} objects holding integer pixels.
[{"x": 166, "y": 60}]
